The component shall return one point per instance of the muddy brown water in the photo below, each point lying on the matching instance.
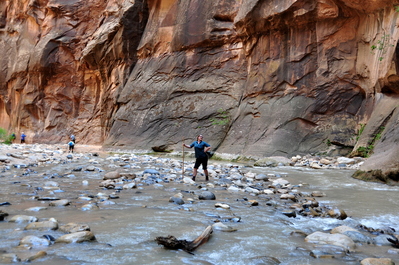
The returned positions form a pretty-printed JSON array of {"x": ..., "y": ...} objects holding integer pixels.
[{"x": 125, "y": 231}]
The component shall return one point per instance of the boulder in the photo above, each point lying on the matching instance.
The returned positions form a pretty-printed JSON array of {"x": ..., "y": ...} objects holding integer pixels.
[
  {"x": 77, "y": 237},
  {"x": 377, "y": 261},
  {"x": 73, "y": 228},
  {"x": 34, "y": 241},
  {"x": 207, "y": 195},
  {"x": 342, "y": 229},
  {"x": 337, "y": 213},
  {"x": 112, "y": 175},
  {"x": 22, "y": 219},
  {"x": 63, "y": 202},
  {"x": 44, "y": 225},
  {"x": 333, "y": 239}
]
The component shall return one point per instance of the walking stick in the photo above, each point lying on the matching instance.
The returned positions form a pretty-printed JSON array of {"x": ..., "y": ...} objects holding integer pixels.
[{"x": 182, "y": 173}]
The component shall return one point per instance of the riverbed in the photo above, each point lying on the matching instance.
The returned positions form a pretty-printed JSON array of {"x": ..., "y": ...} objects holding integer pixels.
[{"x": 125, "y": 229}]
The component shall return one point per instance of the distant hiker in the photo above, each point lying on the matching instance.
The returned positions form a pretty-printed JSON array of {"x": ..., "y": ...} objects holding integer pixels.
[
  {"x": 73, "y": 138},
  {"x": 13, "y": 137},
  {"x": 200, "y": 148},
  {"x": 71, "y": 145},
  {"x": 23, "y": 138}
]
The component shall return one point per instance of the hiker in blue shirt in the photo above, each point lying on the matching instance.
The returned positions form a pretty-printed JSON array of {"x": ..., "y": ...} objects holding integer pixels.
[
  {"x": 200, "y": 148},
  {"x": 23, "y": 138},
  {"x": 71, "y": 145}
]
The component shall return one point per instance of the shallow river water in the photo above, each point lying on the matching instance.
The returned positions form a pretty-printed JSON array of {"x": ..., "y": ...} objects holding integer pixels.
[{"x": 125, "y": 231}]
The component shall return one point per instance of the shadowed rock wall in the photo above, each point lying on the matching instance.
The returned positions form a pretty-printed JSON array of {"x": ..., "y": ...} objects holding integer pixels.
[{"x": 271, "y": 77}]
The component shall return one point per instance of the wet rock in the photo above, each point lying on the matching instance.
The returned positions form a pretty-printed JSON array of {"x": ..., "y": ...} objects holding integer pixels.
[
  {"x": 298, "y": 233},
  {"x": 325, "y": 161},
  {"x": 129, "y": 186},
  {"x": 337, "y": 213},
  {"x": 176, "y": 200},
  {"x": 342, "y": 229},
  {"x": 252, "y": 191},
  {"x": 9, "y": 258},
  {"x": 38, "y": 255},
  {"x": 377, "y": 261},
  {"x": 3, "y": 215},
  {"x": 287, "y": 197},
  {"x": 51, "y": 184},
  {"x": 359, "y": 237},
  {"x": 188, "y": 180},
  {"x": 234, "y": 188},
  {"x": 318, "y": 194},
  {"x": 19, "y": 156},
  {"x": 48, "y": 198},
  {"x": 253, "y": 202},
  {"x": 382, "y": 240},
  {"x": 91, "y": 168},
  {"x": 222, "y": 227},
  {"x": 334, "y": 239},
  {"x": 151, "y": 171},
  {"x": 318, "y": 254},
  {"x": 77, "y": 237},
  {"x": 289, "y": 213},
  {"x": 34, "y": 241},
  {"x": 5, "y": 203},
  {"x": 345, "y": 160},
  {"x": 23, "y": 219},
  {"x": 106, "y": 202},
  {"x": 280, "y": 182},
  {"x": 112, "y": 175},
  {"x": 89, "y": 206},
  {"x": 35, "y": 209},
  {"x": 44, "y": 225},
  {"x": 207, "y": 195},
  {"x": 266, "y": 162},
  {"x": 263, "y": 260},
  {"x": 222, "y": 205},
  {"x": 73, "y": 228},
  {"x": 49, "y": 237},
  {"x": 262, "y": 177},
  {"x": 4, "y": 159},
  {"x": 58, "y": 203}
]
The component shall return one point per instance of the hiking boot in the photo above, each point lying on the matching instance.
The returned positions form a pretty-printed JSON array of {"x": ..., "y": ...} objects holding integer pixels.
[
  {"x": 206, "y": 178},
  {"x": 193, "y": 178}
]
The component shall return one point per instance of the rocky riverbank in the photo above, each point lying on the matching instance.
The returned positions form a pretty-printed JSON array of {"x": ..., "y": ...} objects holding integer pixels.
[{"x": 50, "y": 178}]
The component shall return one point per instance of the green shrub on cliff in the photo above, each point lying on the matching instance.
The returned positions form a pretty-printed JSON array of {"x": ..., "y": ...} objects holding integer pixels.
[
  {"x": 222, "y": 118},
  {"x": 4, "y": 137}
]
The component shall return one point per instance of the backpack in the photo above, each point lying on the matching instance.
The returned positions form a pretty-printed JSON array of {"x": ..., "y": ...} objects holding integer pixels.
[{"x": 71, "y": 143}]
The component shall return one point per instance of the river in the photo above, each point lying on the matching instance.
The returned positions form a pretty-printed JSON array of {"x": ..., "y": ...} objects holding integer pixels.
[{"x": 125, "y": 231}]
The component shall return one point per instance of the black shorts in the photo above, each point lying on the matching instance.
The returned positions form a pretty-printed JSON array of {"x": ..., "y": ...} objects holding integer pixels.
[{"x": 203, "y": 161}]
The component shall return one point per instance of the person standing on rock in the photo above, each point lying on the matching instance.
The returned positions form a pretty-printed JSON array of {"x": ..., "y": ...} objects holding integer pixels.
[
  {"x": 201, "y": 158},
  {"x": 23, "y": 136},
  {"x": 73, "y": 138}
]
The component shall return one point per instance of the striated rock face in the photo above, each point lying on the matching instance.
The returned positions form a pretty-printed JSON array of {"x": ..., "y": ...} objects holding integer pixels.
[{"x": 265, "y": 77}]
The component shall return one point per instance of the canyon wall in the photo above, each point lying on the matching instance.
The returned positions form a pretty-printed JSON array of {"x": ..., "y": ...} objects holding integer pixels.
[{"x": 260, "y": 77}]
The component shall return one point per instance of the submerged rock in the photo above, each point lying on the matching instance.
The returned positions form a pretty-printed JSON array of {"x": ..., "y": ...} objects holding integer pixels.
[{"x": 77, "y": 237}]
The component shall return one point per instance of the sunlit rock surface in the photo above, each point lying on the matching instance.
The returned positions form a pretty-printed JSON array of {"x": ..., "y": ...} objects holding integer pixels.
[{"x": 263, "y": 78}]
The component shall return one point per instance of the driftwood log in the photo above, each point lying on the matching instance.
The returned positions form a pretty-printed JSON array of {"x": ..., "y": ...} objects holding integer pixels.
[{"x": 172, "y": 242}]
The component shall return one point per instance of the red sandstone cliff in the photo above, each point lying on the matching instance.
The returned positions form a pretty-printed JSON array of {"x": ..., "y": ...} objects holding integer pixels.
[{"x": 271, "y": 77}]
